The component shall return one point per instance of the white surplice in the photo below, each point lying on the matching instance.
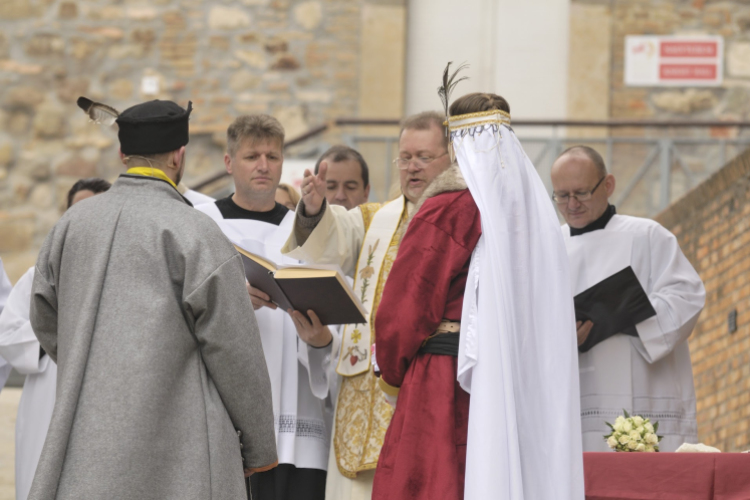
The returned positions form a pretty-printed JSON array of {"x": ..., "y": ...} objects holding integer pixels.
[
  {"x": 5, "y": 287},
  {"x": 299, "y": 373},
  {"x": 650, "y": 375},
  {"x": 20, "y": 347},
  {"x": 197, "y": 198}
]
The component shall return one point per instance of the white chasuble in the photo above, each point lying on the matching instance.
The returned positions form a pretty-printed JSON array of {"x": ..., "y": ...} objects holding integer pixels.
[
  {"x": 355, "y": 357},
  {"x": 363, "y": 242},
  {"x": 649, "y": 375},
  {"x": 20, "y": 347},
  {"x": 302, "y": 424}
]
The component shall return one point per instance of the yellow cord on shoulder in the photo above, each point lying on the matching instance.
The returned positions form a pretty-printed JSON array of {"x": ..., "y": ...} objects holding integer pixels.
[{"x": 151, "y": 172}]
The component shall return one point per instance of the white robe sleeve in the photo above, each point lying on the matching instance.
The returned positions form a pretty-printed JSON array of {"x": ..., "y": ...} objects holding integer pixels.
[
  {"x": 336, "y": 239},
  {"x": 321, "y": 365},
  {"x": 18, "y": 344},
  {"x": 5, "y": 287},
  {"x": 676, "y": 293}
]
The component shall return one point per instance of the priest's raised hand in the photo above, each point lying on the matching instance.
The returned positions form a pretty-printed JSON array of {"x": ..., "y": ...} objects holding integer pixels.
[{"x": 314, "y": 190}]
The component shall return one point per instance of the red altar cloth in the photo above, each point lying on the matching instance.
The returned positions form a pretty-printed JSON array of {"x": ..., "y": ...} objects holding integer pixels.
[{"x": 667, "y": 476}]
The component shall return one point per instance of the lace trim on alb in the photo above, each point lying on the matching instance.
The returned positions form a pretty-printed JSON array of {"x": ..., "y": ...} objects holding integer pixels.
[{"x": 302, "y": 427}]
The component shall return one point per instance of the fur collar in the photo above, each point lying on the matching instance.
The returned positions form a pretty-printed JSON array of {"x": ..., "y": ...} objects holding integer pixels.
[{"x": 447, "y": 181}]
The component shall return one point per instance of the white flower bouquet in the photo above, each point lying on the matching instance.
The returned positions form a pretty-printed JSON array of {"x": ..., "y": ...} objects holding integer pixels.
[{"x": 633, "y": 434}]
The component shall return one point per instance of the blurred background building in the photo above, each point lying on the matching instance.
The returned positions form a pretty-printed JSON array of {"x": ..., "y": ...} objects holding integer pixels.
[{"x": 347, "y": 70}]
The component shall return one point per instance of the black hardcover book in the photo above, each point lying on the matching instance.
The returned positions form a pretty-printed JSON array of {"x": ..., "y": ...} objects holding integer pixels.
[
  {"x": 615, "y": 305},
  {"x": 322, "y": 289}
]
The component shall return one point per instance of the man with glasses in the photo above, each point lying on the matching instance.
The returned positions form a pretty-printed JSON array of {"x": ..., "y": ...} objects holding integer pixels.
[
  {"x": 364, "y": 242},
  {"x": 646, "y": 369}
]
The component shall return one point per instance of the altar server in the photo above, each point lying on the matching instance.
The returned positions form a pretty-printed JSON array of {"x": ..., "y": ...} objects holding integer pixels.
[
  {"x": 162, "y": 386},
  {"x": 22, "y": 350},
  {"x": 254, "y": 221},
  {"x": 648, "y": 371},
  {"x": 347, "y": 177},
  {"x": 364, "y": 242}
]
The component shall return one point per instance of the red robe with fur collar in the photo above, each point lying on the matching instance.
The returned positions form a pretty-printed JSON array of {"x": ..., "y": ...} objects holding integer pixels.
[{"x": 424, "y": 453}]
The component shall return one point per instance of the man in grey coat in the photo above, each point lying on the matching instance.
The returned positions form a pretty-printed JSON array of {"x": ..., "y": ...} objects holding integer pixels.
[{"x": 163, "y": 391}]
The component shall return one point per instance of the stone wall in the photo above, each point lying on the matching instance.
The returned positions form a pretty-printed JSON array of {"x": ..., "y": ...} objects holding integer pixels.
[
  {"x": 597, "y": 88},
  {"x": 298, "y": 60},
  {"x": 598, "y": 30},
  {"x": 712, "y": 224}
]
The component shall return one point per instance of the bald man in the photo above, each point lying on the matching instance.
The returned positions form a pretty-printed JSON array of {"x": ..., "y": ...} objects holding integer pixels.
[{"x": 646, "y": 368}]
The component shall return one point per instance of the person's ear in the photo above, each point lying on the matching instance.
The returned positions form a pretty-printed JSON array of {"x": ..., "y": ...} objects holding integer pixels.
[
  {"x": 228, "y": 163},
  {"x": 367, "y": 192},
  {"x": 122, "y": 157},
  {"x": 609, "y": 184},
  {"x": 178, "y": 157}
]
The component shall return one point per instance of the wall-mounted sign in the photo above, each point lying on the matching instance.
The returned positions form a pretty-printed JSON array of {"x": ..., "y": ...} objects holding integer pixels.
[{"x": 686, "y": 61}]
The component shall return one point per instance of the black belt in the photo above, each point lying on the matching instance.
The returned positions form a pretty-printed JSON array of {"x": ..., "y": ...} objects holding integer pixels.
[{"x": 442, "y": 343}]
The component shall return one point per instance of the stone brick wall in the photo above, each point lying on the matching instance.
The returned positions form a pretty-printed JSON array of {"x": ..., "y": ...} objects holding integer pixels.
[
  {"x": 712, "y": 224},
  {"x": 730, "y": 19},
  {"x": 597, "y": 88},
  {"x": 298, "y": 60}
]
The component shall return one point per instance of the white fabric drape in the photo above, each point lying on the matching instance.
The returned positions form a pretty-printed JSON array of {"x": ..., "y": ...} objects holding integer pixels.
[
  {"x": 517, "y": 355},
  {"x": 20, "y": 347}
]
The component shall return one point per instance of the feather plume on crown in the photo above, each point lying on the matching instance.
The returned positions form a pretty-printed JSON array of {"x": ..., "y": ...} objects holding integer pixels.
[
  {"x": 98, "y": 112},
  {"x": 449, "y": 83}
]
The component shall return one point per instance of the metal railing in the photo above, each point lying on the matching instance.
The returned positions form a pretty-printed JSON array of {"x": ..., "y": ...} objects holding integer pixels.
[{"x": 655, "y": 162}]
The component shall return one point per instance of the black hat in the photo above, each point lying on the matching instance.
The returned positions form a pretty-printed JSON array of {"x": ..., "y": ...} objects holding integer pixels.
[{"x": 153, "y": 127}]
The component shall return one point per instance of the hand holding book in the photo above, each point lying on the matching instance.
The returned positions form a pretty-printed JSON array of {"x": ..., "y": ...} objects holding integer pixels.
[
  {"x": 311, "y": 331},
  {"x": 322, "y": 289},
  {"x": 259, "y": 298},
  {"x": 614, "y": 305}
]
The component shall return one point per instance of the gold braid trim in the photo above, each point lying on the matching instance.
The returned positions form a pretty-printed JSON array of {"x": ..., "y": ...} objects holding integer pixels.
[{"x": 475, "y": 119}]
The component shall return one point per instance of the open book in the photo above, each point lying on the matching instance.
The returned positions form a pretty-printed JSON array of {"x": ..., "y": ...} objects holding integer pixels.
[
  {"x": 615, "y": 305},
  {"x": 322, "y": 288}
]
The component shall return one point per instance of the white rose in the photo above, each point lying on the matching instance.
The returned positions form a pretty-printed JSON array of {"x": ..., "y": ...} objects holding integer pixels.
[
  {"x": 650, "y": 449},
  {"x": 624, "y": 439},
  {"x": 640, "y": 447},
  {"x": 640, "y": 430},
  {"x": 632, "y": 445},
  {"x": 651, "y": 438},
  {"x": 635, "y": 436},
  {"x": 649, "y": 427},
  {"x": 627, "y": 426},
  {"x": 638, "y": 420},
  {"x": 612, "y": 442},
  {"x": 620, "y": 420}
]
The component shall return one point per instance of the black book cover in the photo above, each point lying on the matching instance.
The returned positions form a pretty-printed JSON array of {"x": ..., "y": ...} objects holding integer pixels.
[
  {"x": 262, "y": 278},
  {"x": 325, "y": 296},
  {"x": 615, "y": 305},
  {"x": 303, "y": 288}
]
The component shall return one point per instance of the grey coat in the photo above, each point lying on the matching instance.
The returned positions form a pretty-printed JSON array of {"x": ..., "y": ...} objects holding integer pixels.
[{"x": 141, "y": 300}]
